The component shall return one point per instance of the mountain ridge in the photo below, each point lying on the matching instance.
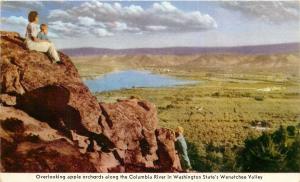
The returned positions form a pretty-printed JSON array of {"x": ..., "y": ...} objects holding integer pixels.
[{"x": 250, "y": 49}]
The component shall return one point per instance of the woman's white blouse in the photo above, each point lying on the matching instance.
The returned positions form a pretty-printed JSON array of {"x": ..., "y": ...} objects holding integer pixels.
[{"x": 31, "y": 31}]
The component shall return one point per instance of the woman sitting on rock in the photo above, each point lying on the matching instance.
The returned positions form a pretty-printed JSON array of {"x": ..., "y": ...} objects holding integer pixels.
[{"x": 33, "y": 43}]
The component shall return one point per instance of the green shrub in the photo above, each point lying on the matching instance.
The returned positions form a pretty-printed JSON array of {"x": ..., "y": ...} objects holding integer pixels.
[
  {"x": 169, "y": 106},
  {"x": 293, "y": 156},
  {"x": 259, "y": 98},
  {"x": 197, "y": 158},
  {"x": 270, "y": 153},
  {"x": 291, "y": 130},
  {"x": 216, "y": 94}
]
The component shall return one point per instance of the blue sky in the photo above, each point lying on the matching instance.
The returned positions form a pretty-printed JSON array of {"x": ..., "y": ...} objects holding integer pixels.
[{"x": 131, "y": 24}]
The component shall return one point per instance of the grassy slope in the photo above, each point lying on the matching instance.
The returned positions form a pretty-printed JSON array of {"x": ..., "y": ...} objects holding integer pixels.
[{"x": 223, "y": 107}]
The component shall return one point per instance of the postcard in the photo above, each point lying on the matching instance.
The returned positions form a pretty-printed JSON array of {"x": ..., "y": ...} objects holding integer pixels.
[{"x": 150, "y": 90}]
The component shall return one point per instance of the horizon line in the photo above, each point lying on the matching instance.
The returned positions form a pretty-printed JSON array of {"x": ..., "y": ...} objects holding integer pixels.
[{"x": 166, "y": 47}]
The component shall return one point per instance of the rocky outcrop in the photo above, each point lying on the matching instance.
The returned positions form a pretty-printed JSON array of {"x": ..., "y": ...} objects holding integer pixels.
[
  {"x": 29, "y": 145},
  {"x": 50, "y": 121},
  {"x": 24, "y": 71}
]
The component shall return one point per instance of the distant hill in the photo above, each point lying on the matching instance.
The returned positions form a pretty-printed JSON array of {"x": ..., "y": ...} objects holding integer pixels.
[{"x": 257, "y": 49}]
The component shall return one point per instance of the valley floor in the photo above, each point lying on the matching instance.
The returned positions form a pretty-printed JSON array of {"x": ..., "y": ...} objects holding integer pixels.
[{"x": 223, "y": 110}]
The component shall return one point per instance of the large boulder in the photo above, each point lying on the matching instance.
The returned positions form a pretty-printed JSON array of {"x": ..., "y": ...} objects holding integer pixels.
[
  {"x": 130, "y": 125},
  {"x": 168, "y": 158},
  {"x": 51, "y": 121},
  {"x": 28, "y": 145}
]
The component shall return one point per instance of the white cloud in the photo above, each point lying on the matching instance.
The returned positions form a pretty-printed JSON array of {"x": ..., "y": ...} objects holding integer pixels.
[
  {"x": 164, "y": 7},
  {"x": 268, "y": 11},
  {"x": 101, "y": 32},
  {"x": 87, "y": 21},
  {"x": 17, "y": 5},
  {"x": 156, "y": 28},
  {"x": 67, "y": 29},
  {"x": 119, "y": 26},
  {"x": 15, "y": 20},
  {"x": 62, "y": 26},
  {"x": 115, "y": 18},
  {"x": 132, "y": 10},
  {"x": 58, "y": 13}
]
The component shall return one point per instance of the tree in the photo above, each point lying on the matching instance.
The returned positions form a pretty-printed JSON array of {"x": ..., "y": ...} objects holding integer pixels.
[
  {"x": 214, "y": 161},
  {"x": 293, "y": 156},
  {"x": 291, "y": 130},
  {"x": 263, "y": 154},
  {"x": 229, "y": 161},
  {"x": 197, "y": 157},
  {"x": 280, "y": 136}
]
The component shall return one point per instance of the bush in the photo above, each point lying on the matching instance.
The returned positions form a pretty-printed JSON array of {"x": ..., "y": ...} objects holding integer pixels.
[
  {"x": 261, "y": 155},
  {"x": 270, "y": 153},
  {"x": 291, "y": 130},
  {"x": 293, "y": 156},
  {"x": 280, "y": 136},
  {"x": 169, "y": 106},
  {"x": 196, "y": 158},
  {"x": 216, "y": 94},
  {"x": 229, "y": 161},
  {"x": 259, "y": 98},
  {"x": 214, "y": 161}
]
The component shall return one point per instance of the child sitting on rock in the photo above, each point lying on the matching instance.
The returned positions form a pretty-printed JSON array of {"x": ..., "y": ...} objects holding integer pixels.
[{"x": 43, "y": 33}]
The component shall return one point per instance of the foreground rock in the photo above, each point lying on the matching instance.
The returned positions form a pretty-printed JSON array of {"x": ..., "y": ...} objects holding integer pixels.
[
  {"x": 51, "y": 122},
  {"x": 132, "y": 127},
  {"x": 28, "y": 145}
]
